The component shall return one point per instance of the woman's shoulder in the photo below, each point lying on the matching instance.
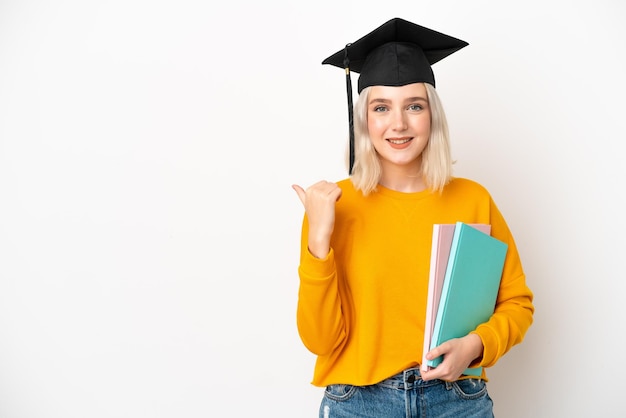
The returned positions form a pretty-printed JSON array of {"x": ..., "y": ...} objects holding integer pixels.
[
  {"x": 466, "y": 186},
  {"x": 350, "y": 195},
  {"x": 346, "y": 185}
]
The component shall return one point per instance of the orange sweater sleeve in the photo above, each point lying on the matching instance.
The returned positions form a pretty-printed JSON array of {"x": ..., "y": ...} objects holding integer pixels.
[
  {"x": 513, "y": 314},
  {"x": 319, "y": 317}
]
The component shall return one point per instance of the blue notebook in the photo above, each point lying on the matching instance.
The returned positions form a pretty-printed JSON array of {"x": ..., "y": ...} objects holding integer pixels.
[{"x": 470, "y": 286}]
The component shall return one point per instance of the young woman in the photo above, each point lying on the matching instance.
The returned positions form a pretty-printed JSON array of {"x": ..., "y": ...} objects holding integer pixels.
[{"x": 366, "y": 244}]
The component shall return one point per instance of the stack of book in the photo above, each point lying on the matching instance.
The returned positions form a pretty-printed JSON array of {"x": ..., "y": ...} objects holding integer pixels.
[{"x": 465, "y": 271}]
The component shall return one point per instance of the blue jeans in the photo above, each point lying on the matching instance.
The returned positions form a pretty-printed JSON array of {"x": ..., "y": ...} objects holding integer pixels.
[{"x": 406, "y": 395}]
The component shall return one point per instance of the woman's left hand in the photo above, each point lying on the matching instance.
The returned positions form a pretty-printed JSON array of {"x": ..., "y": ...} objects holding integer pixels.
[{"x": 457, "y": 353}]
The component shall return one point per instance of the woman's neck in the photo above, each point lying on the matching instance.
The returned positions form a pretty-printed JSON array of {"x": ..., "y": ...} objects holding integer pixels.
[
  {"x": 403, "y": 181},
  {"x": 406, "y": 178}
]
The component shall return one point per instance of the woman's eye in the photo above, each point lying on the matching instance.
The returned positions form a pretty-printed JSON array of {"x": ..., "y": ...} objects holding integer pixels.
[
  {"x": 415, "y": 107},
  {"x": 380, "y": 108}
]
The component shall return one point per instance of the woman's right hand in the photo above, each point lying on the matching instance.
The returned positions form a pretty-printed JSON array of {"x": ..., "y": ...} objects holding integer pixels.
[{"x": 319, "y": 204}]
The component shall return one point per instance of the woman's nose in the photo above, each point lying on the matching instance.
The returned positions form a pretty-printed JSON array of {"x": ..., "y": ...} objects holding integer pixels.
[{"x": 399, "y": 121}]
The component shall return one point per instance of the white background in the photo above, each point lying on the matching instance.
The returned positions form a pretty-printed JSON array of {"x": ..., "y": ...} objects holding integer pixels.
[{"x": 149, "y": 233}]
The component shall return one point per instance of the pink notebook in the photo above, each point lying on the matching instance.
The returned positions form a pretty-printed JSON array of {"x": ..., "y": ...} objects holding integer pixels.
[{"x": 441, "y": 243}]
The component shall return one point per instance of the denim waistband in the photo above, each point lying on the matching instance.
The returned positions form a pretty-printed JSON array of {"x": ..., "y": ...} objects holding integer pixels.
[{"x": 409, "y": 379}]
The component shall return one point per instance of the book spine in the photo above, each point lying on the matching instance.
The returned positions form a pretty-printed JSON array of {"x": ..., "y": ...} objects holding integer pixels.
[{"x": 435, "y": 339}]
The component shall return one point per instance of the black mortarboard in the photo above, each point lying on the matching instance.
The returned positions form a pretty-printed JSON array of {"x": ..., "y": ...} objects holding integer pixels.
[{"x": 395, "y": 54}]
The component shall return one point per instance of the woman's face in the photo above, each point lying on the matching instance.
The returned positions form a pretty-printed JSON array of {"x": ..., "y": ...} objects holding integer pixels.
[{"x": 398, "y": 122}]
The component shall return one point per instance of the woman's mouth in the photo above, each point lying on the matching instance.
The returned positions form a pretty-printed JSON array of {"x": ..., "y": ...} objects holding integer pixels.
[{"x": 400, "y": 143}]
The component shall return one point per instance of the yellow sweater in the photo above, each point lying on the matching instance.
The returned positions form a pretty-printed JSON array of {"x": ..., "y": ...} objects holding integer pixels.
[{"x": 362, "y": 309}]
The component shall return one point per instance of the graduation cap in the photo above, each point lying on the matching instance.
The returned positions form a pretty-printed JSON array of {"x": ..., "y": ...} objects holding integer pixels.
[{"x": 396, "y": 53}]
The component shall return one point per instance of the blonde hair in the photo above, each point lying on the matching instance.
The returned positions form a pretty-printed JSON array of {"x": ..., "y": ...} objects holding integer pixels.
[{"x": 436, "y": 158}]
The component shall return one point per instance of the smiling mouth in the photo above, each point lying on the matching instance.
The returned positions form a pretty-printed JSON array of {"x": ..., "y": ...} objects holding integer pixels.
[{"x": 399, "y": 141}]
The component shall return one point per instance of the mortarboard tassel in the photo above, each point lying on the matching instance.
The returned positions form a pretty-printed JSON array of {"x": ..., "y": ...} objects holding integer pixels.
[{"x": 346, "y": 64}]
